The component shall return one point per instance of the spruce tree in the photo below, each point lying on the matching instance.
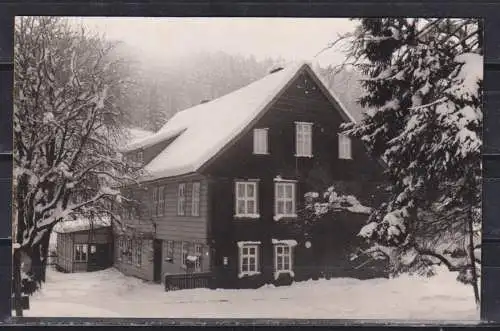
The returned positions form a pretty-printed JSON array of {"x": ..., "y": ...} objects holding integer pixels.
[{"x": 423, "y": 118}]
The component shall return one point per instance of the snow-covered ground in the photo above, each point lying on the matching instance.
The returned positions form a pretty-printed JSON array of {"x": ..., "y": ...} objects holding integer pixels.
[{"x": 109, "y": 293}]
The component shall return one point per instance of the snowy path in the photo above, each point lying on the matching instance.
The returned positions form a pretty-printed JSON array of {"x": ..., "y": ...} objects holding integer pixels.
[{"x": 110, "y": 294}]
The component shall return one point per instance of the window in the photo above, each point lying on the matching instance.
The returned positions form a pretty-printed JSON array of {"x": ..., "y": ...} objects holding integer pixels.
[
  {"x": 169, "y": 250},
  {"x": 260, "y": 141},
  {"x": 128, "y": 250},
  {"x": 195, "y": 199},
  {"x": 184, "y": 253},
  {"x": 303, "y": 139},
  {"x": 282, "y": 259},
  {"x": 137, "y": 259},
  {"x": 284, "y": 199},
  {"x": 344, "y": 147},
  {"x": 161, "y": 201},
  {"x": 140, "y": 157},
  {"x": 154, "y": 212},
  {"x": 249, "y": 259},
  {"x": 246, "y": 199},
  {"x": 181, "y": 199},
  {"x": 120, "y": 249},
  {"x": 128, "y": 212},
  {"x": 198, "y": 252},
  {"x": 81, "y": 252}
]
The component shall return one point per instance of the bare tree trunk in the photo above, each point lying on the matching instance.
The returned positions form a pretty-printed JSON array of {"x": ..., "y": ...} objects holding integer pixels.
[
  {"x": 17, "y": 282},
  {"x": 475, "y": 278}
]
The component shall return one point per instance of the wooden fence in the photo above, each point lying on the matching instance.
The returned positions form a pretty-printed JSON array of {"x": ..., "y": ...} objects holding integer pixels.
[{"x": 189, "y": 281}]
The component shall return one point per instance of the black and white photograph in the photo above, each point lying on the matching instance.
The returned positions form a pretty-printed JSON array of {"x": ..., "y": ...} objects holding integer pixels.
[{"x": 253, "y": 168}]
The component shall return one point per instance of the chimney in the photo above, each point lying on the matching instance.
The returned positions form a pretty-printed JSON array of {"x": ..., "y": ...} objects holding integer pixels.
[{"x": 272, "y": 71}]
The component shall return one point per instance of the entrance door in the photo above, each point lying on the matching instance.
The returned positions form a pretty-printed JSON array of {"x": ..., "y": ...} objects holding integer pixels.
[
  {"x": 157, "y": 260},
  {"x": 98, "y": 256}
]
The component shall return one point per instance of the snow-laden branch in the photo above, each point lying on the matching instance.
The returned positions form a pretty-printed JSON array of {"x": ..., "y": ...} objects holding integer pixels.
[{"x": 332, "y": 201}]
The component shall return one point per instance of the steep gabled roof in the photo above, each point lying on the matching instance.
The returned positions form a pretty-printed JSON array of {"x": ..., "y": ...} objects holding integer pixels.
[{"x": 204, "y": 130}]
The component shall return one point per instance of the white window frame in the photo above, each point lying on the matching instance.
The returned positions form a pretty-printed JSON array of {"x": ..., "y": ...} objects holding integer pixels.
[
  {"x": 245, "y": 199},
  {"x": 184, "y": 253},
  {"x": 128, "y": 245},
  {"x": 303, "y": 139},
  {"x": 261, "y": 141},
  {"x": 154, "y": 212},
  {"x": 137, "y": 252},
  {"x": 84, "y": 250},
  {"x": 242, "y": 256},
  {"x": 284, "y": 199},
  {"x": 345, "y": 147},
  {"x": 280, "y": 269},
  {"x": 198, "y": 252},
  {"x": 195, "y": 199},
  {"x": 160, "y": 209},
  {"x": 169, "y": 250},
  {"x": 119, "y": 256},
  {"x": 181, "y": 199}
]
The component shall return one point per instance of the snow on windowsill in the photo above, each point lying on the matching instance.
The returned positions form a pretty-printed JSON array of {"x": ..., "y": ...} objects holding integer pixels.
[
  {"x": 248, "y": 274},
  {"x": 247, "y": 216},
  {"x": 283, "y": 272},
  {"x": 192, "y": 258},
  {"x": 282, "y": 216},
  {"x": 288, "y": 242},
  {"x": 255, "y": 153},
  {"x": 279, "y": 179},
  {"x": 243, "y": 243},
  {"x": 306, "y": 156}
]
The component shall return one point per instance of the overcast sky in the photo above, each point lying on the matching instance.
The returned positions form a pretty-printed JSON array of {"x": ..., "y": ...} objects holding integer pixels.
[{"x": 293, "y": 39}]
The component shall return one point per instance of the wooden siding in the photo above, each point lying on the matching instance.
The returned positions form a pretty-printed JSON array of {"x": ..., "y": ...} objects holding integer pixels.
[
  {"x": 175, "y": 266},
  {"x": 65, "y": 251},
  {"x": 66, "y": 247},
  {"x": 362, "y": 176},
  {"x": 144, "y": 270},
  {"x": 97, "y": 236},
  {"x": 171, "y": 226}
]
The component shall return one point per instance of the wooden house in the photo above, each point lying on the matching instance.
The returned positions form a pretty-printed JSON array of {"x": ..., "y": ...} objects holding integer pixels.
[
  {"x": 83, "y": 245},
  {"x": 225, "y": 181}
]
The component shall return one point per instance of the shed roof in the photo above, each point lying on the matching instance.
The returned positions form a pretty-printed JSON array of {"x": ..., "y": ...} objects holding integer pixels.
[{"x": 81, "y": 224}]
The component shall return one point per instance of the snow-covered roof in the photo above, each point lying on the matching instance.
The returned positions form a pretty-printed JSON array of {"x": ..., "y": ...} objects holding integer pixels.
[
  {"x": 134, "y": 135},
  {"x": 202, "y": 131},
  {"x": 81, "y": 224}
]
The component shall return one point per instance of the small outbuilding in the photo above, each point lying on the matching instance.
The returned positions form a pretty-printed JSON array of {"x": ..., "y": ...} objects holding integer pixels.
[{"x": 84, "y": 245}]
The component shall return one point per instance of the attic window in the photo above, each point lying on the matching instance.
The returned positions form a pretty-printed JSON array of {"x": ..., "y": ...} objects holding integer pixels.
[
  {"x": 345, "y": 151},
  {"x": 260, "y": 145},
  {"x": 303, "y": 139}
]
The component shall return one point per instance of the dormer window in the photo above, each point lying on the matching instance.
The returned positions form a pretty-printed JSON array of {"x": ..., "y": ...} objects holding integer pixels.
[
  {"x": 345, "y": 151},
  {"x": 303, "y": 139},
  {"x": 260, "y": 143}
]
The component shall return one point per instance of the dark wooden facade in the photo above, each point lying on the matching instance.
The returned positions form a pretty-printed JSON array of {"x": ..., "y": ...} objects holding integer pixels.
[
  {"x": 98, "y": 247},
  {"x": 333, "y": 240},
  {"x": 323, "y": 251}
]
